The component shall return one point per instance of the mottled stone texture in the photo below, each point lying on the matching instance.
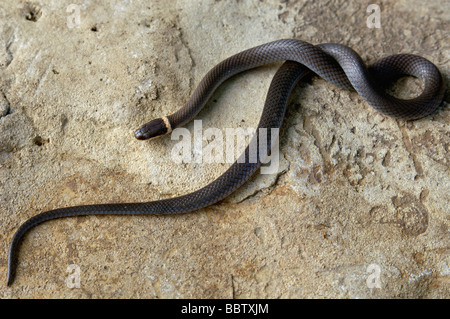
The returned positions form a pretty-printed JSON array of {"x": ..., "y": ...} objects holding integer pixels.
[{"x": 354, "y": 188}]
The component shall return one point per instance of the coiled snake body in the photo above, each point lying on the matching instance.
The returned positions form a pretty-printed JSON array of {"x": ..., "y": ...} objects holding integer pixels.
[{"x": 336, "y": 63}]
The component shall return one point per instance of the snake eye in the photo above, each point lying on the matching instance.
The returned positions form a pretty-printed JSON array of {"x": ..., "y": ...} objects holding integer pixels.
[{"x": 152, "y": 129}]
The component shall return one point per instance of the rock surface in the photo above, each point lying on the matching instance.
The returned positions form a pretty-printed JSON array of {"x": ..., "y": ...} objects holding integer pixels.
[{"x": 358, "y": 196}]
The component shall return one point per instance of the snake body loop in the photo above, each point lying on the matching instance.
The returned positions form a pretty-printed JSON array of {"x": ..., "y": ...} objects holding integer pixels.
[{"x": 336, "y": 63}]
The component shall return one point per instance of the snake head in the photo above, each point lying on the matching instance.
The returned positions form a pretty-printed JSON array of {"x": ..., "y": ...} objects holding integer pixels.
[{"x": 153, "y": 129}]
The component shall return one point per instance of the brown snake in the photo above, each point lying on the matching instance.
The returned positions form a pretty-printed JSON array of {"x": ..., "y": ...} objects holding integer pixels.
[{"x": 336, "y": 63}]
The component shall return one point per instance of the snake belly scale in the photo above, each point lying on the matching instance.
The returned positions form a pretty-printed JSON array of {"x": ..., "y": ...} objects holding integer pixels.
[{"x": 335, "y": 63}]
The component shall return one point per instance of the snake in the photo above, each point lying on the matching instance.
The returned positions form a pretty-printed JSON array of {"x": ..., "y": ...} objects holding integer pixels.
[{"x": 336, "y": 63}]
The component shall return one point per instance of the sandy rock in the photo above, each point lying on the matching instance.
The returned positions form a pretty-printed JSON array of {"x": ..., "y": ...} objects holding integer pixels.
[{"x": 357, "y": 196}]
